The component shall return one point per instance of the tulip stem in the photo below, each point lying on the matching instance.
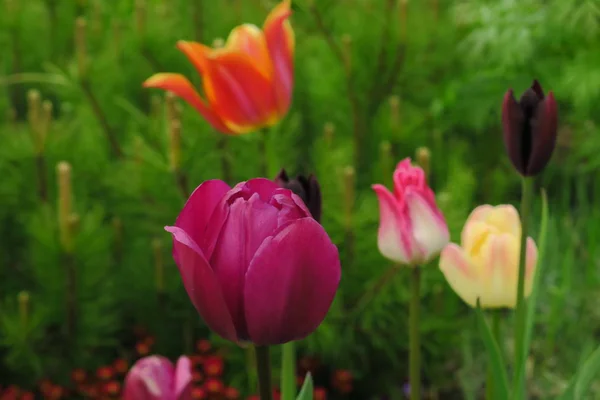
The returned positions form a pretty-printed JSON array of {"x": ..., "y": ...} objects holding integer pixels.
[
  {"x": 288, "y": 371},
  {"x": 263, "y": 367},
  {"x": 489, "y": 387},
  {"x": 413, "y": 335},
  {"x": 526, "y": 201}
]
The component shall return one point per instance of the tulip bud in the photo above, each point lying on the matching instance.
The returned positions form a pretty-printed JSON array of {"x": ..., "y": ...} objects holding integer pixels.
[
  {"x": 308, "y": 189},
  {"x": 23, "y": 299},
  {"x": 423, "y": 157},
  {"x": 347, "y": 51},
  {"x": 529, "y": 129},
  {"x": 349, "y": 179},
  {"x": 63, "y": 170},
  {"x": 175, "y": 144},
  {"x": 328, "y": 133},
  {"x": 80, "y": 46},
  {"x": 155, "y": 378},
  {"x": 140, "y": 17},
  {"x": 159, "y": 265},
  {"x": 394, "y": 111}
]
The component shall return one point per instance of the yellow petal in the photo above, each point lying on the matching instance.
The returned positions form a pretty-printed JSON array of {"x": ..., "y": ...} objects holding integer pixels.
[
  {"x": 458, "y": 271},
  {"x": 250, "y": 40}
]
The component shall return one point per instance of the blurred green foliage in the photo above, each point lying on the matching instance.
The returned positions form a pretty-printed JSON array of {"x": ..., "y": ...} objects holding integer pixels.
[{"x": 375, "y": 79}]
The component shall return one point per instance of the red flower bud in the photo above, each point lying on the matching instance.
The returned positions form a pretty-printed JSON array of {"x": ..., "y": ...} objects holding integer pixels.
[
  {"x": 197, "y": 377},
  {"x": 27, "y": 396},
  {"x": 198, "y": 393},
  {"x": 105, "y": 373},
  {"x": 232, "y": 393},
  {"x": 529, "y": 127},
  {"x": 112, "y": 388},
  {"x": 121, "y": 366},
  {"x": 213, "y": 366},
  {"x": 213, "y": 386},
  {"x": 203, "y": 346},
  {"x": 142, "y": 349},
  {"x": 320, "y": 394},
  {"x": 78, "y": 375}
]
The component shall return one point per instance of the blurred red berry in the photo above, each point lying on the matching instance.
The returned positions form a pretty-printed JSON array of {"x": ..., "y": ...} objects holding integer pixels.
[
  {"x": 90, "y": 391},
  {"x": 139, "y": 331},
  {"x": 197, "y": 360},
  {"x": 56, "y": 393},
  {"x": 105, "y": 373},
  {"x": 232, "y": 393},
  {"x": 197, "y": 376},
  {"x": 198, "y": 393},
  {"x": 78, "y": 375},
  {"x": 213, "y": 366},
  {"x": 142, "y": 349},
  {"x": 121, "y": 366},
  {"x": 320, "y": 394},
  {"x": 213, "y": 386},
  {"x": 112, "y": 388},
  {"x": 203, "y": 346},
  {"x": 342, "y": 381},
  {"x": 150, "y": 340},
  {"x": 27, "y": 396},
  {"x": 45, "y": 387}
]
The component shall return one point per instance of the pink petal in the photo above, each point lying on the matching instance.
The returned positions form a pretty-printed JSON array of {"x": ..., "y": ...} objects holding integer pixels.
[
  {"x": 291, "y": 283},
  {"x": 394, "y": 238},
  {"x": 183, "y": 379},
  {"x": 248, "y": 224},
  {"x": 201, "y": 284},
  {"x": 429, "y": 228},
  {"x": 198, "y": 209},
  {"x": 150, "y": 378}
]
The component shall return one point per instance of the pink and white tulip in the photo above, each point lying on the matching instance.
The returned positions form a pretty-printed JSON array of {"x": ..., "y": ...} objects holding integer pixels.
[
  {"x": 485, "y": 266},
  {"x": 412, "y": 230},
  {"x": 155, "y": 378}
]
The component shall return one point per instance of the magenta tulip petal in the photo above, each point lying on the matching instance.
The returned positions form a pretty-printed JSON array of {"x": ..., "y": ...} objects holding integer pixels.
[
  {"x": 201, "y": 284},
  {"x": 395, "y": 241},
  {"x": 150, "y": 378},
  {"x": 248, "y": 224},
  {"x": 264, "y": 187},
  {"x": 183, "y": 379},
  {"x": 197, "y": 211},
  {"x": 291, "y": 283}
]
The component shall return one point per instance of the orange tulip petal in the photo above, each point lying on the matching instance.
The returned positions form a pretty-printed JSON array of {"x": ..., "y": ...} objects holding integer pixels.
[
  {"x": 196, "y": 53},
  {"x": 281, "y": 43},
  {"x": 249, "y": 39},
  {"x": 181, "y": 87},
  {"x": 239, "y": 92}
]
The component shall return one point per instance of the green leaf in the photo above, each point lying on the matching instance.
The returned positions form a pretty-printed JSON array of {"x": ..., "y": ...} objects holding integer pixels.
[
  {"x": 288, "y": 371},
  {"x": 532, "y": 300},
  {"x": 582, "y": 380},
  {"x": 494, "y": 355},
  {"x": 306, "y": 393}
]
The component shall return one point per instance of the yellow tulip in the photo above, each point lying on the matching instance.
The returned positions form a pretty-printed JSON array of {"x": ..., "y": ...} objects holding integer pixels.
[{"x": 485, "y": 266}]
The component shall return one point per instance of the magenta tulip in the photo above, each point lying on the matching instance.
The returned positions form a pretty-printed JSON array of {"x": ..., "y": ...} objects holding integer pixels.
[
  {"x": 412, "y": 230},
  {"x": 155, "y": 378},
  {"x": 254, "y": 263}
]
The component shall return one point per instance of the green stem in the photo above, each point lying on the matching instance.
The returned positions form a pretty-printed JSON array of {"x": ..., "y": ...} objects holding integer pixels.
[
  {"x": 489, "y": 393},
  {"x": 414, "y": 340},
  {"x": 526, "y": 201},
  {"x": 288, "y": 371},
  {"x": 263, "y": 153},
  {"x": 263, "y": 367}
]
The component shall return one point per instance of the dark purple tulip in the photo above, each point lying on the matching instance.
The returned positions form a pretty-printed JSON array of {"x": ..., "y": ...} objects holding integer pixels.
[
  {"x": 307, "y": 189},
  {"x": 529, "y": 129}
]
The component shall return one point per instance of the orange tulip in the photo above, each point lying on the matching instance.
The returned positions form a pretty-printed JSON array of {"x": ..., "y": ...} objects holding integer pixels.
[{"x": 247, "y": 83}]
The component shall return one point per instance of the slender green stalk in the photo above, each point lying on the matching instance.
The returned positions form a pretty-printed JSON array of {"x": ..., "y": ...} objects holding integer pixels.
[
  {"x": 288, "y": 371},
  {"x": 526, "y": 201},
  {"x": 489, "y": 387},
  {"x": 263, "y": 367},
  {"x": 413, "y": 336}
]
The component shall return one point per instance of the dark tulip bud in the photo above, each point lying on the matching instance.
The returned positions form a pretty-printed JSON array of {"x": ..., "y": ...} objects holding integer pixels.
[
  {"x": 307, "y": 188},
  {"x": 529, "y": 129}
]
